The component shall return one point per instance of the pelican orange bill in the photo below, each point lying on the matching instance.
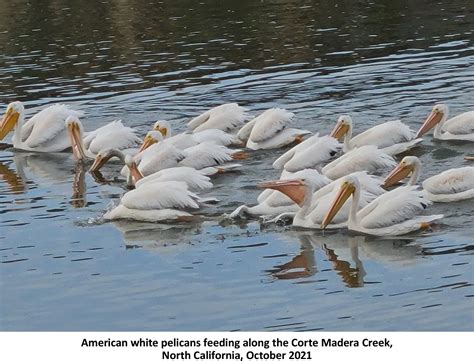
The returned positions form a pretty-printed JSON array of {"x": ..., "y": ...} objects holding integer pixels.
[
  {"x": 400, "y": 172},
  {"x": 344, "y": 193},
  {"x": 9, "y": 120},
  {"x": 433, "y": 119}
]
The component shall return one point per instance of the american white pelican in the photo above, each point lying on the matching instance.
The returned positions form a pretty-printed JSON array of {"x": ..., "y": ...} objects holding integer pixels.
[
  {"x": 449, "y": 186},
  {"x": 157, "y": 202},
  {"x": 205, "y": 156},
  {"x": 111, "y": 136},
  {"x": 274, "y": 203},
  {"x": 313, "y": 205},
  {"x": 226, "y": 117},
  {"x": 391, "y": 137},
  {"x": 311, "y": 153},
  {"x": 186, "y": 140},
  {"x": 393, "y": 213},
  {"x": 195, "y": 179},
  {"x": 367, "y": 157},
  {"x": 270, "y": 130},
  {"x": 460, "y": 127},
  {"x": 43, "y": 132}
]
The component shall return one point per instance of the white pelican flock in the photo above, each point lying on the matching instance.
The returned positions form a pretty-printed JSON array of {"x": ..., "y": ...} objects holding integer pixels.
[{"x": 324, "y": 183}]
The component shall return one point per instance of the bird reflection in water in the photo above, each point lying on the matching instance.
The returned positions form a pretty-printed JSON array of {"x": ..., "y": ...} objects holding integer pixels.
[
  {"x": 11, "y": 179},
  {"x": 79, "y": 189},
  {"x": 347, "y": 265},
  {"x": 157, "y": 237},
  {"x": 45, "y": 170}
]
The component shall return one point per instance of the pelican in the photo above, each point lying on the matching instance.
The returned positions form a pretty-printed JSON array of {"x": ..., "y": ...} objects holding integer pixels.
[
  {"x": 449, "y": 186},
  {"x": 367, "y": 157},
  {"x": 208, "y": 157},
  {"x": 393, "y": 213},
  {"x": 392, "y": 137},
  {"x": 313, "y": 205},
  {"x": 111, "y": 136},
  {"x": 270, "y": 130},
  {"x": 273, "y": 203},
  {"x": 196, "y": 180},
  {"x": 43, "y": 132},
  {"x": 157, "y": 202},
  {"x": 460, "y": 127},
  {"x": 186, "y": 140},
  {"x": 311, "y": 153},
  {"x": 226, "y": 117}
]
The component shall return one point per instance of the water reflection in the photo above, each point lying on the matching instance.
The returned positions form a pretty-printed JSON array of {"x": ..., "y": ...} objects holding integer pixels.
[
  {"x": 345, "y": 253},
  {"x": 32, "y": 170},
  {"x": 156, "y": 237}
]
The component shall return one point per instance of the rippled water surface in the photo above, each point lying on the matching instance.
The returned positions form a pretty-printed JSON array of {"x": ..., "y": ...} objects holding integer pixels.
[{"x": 61, "y": 268}]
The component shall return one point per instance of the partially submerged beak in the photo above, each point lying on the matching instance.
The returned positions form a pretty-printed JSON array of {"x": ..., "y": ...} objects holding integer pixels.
[
  {"x": 339, "y": 131},
  {"x": 135, "y": 172},
  {"x": 76, "y": 141},
  {"x": 99, "y": 162},
  {"x": 147, "y": 142},
  {"x": 400, "y": 172},
  {"x": 292, "y": 188},
  {"x": 469, "y": 157},
  {"x": 433, "y": 119},
  {"x": 344, "y": 193},
  {"x": 10, "y": 118}
]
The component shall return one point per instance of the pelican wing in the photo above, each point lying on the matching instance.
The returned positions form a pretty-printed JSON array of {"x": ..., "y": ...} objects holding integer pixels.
[
  {"x": 269, "y": 123},
  {"x": 112, "y": 126},
  {"x": 159, "y": 156},
  {"x": 384, "y": 135},
  {"x": 285, "y": 157},
  {"x": 460, "y": 124},
  {"x": 215, "y": 136},
  {"x": 316, "y": 154},
  {"x": 225, "y": 117},
  {"x": 46, "y": 125},
  {"x": 206, "y": 155},
  {"x": 368, "y": 158},
  {"x": 393, "y": 207},
  {"x": 160, "y": 195},
  {"x": 192, "y": 177},
  {"x": 451, "y": 181},
  {"x": 122, "y": 138}
]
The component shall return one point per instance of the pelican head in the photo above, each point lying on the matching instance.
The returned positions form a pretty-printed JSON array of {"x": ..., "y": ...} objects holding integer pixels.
[
  {"x": 133, "y": 168},
  {"x": 103, "y": 157},
  {"x": 292, "y": 188},
  {"x": 75, "y": 131},
  {"x": 407, "y": 166},
  {"x": 343, "y": 126},
  {"x": 152, "y": 137},
  {"x": 438, "y": 113},
  {"x": 163, "y": 127},
  {"x": 10, "y": 118},
  {"x": 348, "y": 187}
]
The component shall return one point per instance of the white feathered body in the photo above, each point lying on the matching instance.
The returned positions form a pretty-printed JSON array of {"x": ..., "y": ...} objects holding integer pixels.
[
  {"x": 45, "y": 131},
  {"x": 271, "y": 130},
  {"x": 366, "y": 158},
  {"x": 323, "y": 198},
  {"x": 393, "y": 213},
  {"x": 392, "y": 137},
  {"x": 225, "y": 117},
  {"x": 460, "y": 127},
  {"x": 312, "y": 155},
  {"x": 195, "y": 180},
  {"x": 156, "y": 202},
  {"x": 451, "y": 185}
]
